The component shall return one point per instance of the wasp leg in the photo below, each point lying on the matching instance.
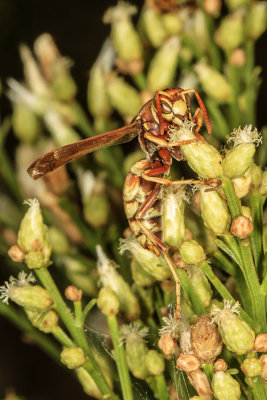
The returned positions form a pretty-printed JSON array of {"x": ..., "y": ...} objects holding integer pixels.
[
  {"x": 214, "y": 183},
  {"x": 198, "y": 120},
  {"x": 177, "y": 284},
  {"x": 164, "y": 143}
]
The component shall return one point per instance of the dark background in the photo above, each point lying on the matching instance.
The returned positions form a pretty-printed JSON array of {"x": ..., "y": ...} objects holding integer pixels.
[{"x": 78, "y": 31}]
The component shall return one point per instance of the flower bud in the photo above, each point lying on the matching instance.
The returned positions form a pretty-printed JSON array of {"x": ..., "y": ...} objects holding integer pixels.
[
  {"x": 192, "y": 253},
  {"x": 155, "y": 362},
  {"x": 256, "y": 173},
  {"x": 251, "y": 367},
  {"x": 196, "y": 31},
  {"x": 123, "y": 34},
  {"x": 198, "y": 398},
  {"x": 168, "y": 345},
  {"x": 214, "y": 83},
  {"x": 136, "y": 349},
  {"x": 241, "y": 227},
  {"x": 212, "y": 7},
  {"x": 230, "y": 33},
  {"x": 220, "y": 365},
  {"x": 153, "y": 25},
  {"x": 73, "y": 294},
  {"x": 238, "y": 57},
  {"x": 107, "y": 302},
  {"x": 242, "y": 185},
  {"x": 60, "y": 129},
  {"x": 263, "y": 188},
  {"x": 201, "y": 285},
  {"x": 172, "y": 23},
  {"x": 155, "y": 266},
  {"x": 59, "y": 242},
  {"x": 188, "y": 363},
  {"x": 123, "y": 97},
  {"x": 236, "y": 334},
  {"x": 162, "y": 68},
  {"x": 225, "y": 386},
  {"x": 111, "y": 279},
  {"x": 255, "y": 23},
  {"x": 173, "y": 215},
  {"x": 16, "y": 253},
  {"x": 260, "y": 343},
  {"x": 205, "y": 339},
  {"x": 263, "y": 360},
  {"x": 46, "y": 322},
  {"x": 200, "y": 382},
  {"x": 25, "y": 123},
  {"x": 214, "y": 211},
  {"x": 140, "y": 276},
  {"x": 88, "y": 383},
  {"x": 203, "y": 158},
  {"x": 235, "y": 4},
  {"x": 34, "y": 298},
  {"x": 72, "y": 357},
  {"x": 237, "y": 160}
]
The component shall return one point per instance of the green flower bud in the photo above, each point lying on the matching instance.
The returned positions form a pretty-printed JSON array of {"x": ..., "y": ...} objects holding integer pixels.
[
  {"x": 34, "y": 298},
  {"x": 111, "y": 279},
  {"x": 201, "y": 285},
  {"x": 235, "y": 4},
  {"x": 124, "y": 36},
  {"x": 63, "y": 86},
  {"x": 162, "y": 69},
  {"x": 197, "y": 31},
  {"x": 214, "y": 211},
  {"x": 236, "y": 334},
  {"x": 25, "y": 123},
  {"x": 192, "y": 253},
  {"x": 246, "y": 211},
  {"x": 153, "y": 265},
  {"x": 251, "y": 367},
  {"x": 172, "y": 23},
  {"x": 140, "y": 276},
  {"x": 59, "y": 242},
  {"x": 46, "y": 322},
  {"x": 230, "y": 33},
  {"x": 256, "y": 19},
  {"x": 136, "y": 349},
  {"x": 263, "y": 188},
  {"x": 198, "y": 398},
  {"x": 240, "y": 157},
  {"x": 242, "y": 185},
  {"x": 214, "y": 83},
  {"x": 38, "y": 259},
  {"x": 203, "y": 158},
  {"x": 107, "y": 302},
  {"x": 61, "y": 131},
  {"x": 155, "y": 362},
  {"x": 225, "y": 387},
  {"x": 257, "y": 175},
  {"x": 123, "y": 97},
  {"x": 173, "y": 215},
  {"x": 88, "y": 383},
  {"x": 153, "y": 25},
  {"x": 72, "y": 357}
]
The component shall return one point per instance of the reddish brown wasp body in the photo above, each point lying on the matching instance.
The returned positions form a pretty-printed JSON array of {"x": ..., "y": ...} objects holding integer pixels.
[{"x": 142, "y": 188}]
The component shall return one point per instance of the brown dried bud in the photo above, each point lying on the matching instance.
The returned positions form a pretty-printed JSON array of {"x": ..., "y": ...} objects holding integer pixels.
[
  {"x": 16, "y": 253},
  {"x": 164, "y": 311},
  {"x": 212, "y": 7},
  {"x": 73, "y": 294},
  {"x": 263, "y": 359},
  {"x": 241, "y": 227},
  {"x": 168, "y": 345},
  {"x": 178, "y": 261},
  {"x": 260, "y": 343},
  {"x": 220, "y": 365},
  {"x": 199, "y": 380},
  {"x": 188, "y": 363},
  {"x": 205, "y": 339},
  {"x": 238, "y": 57}
]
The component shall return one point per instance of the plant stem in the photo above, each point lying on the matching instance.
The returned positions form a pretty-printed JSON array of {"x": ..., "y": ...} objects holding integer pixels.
[
  {"x": 140, "y": 81},
  {"x": 233, "y": 202},
  {"x": 226, "y": 249},
  {"x": 251, "y": 86},
  {"x": 87, "y": 308},
  {"x": 234, "y": 75},
  {"x": 162, "y": 390},
  {"x": 258, "y": 389},
  {"x": 221, "y": 125},
  {"x": 257, "y": 234},
  {"x": 120, "y": 358},
  {"x": 62, "y": 337},
  {"x": 199, "y": 309},
  {"x": 223, "y": 263},
  {"x": 78, "y": 313}
]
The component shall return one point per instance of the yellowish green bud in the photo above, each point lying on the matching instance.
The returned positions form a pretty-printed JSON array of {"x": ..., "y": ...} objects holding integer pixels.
[
  {"x": 107, "y": 302},
  {"x": 201, "y": 285},
  {"x": 197, "y": 31},
  {"x": 203, "y": 158},
  {"x": 63, "y": 85},
  {"x": 136, "y": 349},
  {"x": 140, "y": 276},
  {"x": 192, "y": 253},
  {"x": 173, "y": 215},
  {"x": 72, "y": 357},
  {"x": 88, "y": 383},
  {"x": 162, "y": 69},
  {"x": 246, "y": 211},
  {"x": 153, "y": 25},
  {"x": 155, "y": 362},
  {"x": 225, "y": 387},
  {"x": 257, "y": 176},
  {"x": 60, "y": 129},
  {"x": 153, "y": 265},
  {"x": 214, "y": 211},
  {"x": 46, "y": 322},
  {"x": 263, "y": 188},
  {"x": 123, "y": 97},
  {"x": 111, "y": 279},
  {"x": 214, "y": 83},
  {"x": 230, "y": 34},
  {"x": 235, "y": 4},
  {"x": 256, "y": 19},
  {"x": 251, "y": 367},
  {"x": 124, "y": 36},
  {"x": 236, "y": 334},
  {"x": 34, "y": 298},
  {"x": 242, "y": 185},
  {"x": 59, "y": 242},
  {"x": 172, "y": 23},
  {"x": 25, "y": 123},
  {"x": 198, "y": 398},
  {"x": 39, "y": 258}
]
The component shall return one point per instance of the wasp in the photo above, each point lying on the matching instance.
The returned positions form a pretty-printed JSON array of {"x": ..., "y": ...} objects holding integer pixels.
[{"x": 143, "y": 184}]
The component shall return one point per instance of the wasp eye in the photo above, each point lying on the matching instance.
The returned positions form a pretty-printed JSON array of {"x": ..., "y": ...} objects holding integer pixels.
[{"x": 166, "y": 107}]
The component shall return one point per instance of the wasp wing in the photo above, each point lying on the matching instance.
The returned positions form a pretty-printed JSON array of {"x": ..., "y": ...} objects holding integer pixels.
[{"x": 62, "y": 155}]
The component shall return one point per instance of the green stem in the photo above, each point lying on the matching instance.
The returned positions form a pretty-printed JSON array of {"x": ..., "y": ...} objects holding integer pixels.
[
  {"x": 228, "y": 250},
  {"x": 233, "y": 202},
  {"x": 212, "y": 48},
  {"x": 208, "y": 369},
  {"x": 223, "y": 263},
  {"x": 140, "y": 81},
  {"x": 120, "y": 358},
  {"x": 78, "y": 313},
  {"x": 222, "y": 128},
  {"x": 87, "y": 308},
  {"x": 233, "y": 245},
  {"x": 251, "y": 87},
  {"x": 257, "y": 234},
  {"x": 234, "y": 75},
  {"x": 76, "y": 333},
  {"x": 264, "y": 286},
  {"x": 162, "y": 390},
  {"x": 179, "y": 380},
  {"x": 62, "y": 337},
  {"x": 199, "y": 309},
  {"x": 258, "y": 389}
]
